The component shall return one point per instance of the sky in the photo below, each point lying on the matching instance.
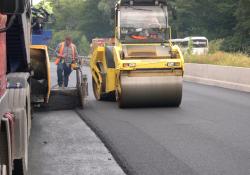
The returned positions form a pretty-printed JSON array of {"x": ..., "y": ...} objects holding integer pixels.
[{"x": 36, "y": 1}]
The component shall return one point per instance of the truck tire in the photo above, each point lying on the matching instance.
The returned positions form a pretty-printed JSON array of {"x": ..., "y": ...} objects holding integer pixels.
[
  {"x": 19, "y": 105},
  {"x": 21, "y": 165}
]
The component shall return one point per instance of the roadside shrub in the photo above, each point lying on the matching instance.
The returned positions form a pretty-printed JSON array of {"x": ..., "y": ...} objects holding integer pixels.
[
  {"x": 221, "y": 58},
  {"x": 215, "y": 45},
  {"x": 236, "y": 44}
]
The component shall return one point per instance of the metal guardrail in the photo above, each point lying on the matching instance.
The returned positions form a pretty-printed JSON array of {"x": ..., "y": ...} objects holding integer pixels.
[{"x": 84, "y": 60}]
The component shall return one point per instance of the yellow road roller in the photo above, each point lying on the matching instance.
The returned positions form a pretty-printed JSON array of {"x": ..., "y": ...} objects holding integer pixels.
[
  {"x": 141, "y": 67},
  {"x": 43, "y": 94}
]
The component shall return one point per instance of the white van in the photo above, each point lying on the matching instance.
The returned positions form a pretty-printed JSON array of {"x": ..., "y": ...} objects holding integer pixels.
[
  {"x": 178, "y": 41},
  {"x": 199, "y": 45}
]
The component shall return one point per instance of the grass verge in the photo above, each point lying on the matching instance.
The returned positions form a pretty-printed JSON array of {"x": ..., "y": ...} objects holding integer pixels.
[{"x": 221, "y": 58}]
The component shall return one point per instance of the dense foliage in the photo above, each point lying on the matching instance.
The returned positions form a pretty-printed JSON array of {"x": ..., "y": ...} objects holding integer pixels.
[{"x": 216, "y": 19}]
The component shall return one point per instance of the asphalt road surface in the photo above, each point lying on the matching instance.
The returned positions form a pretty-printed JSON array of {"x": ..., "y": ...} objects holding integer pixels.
[
  {"x": 208, "y": 135},
  {"x": 62, "y": 144}
]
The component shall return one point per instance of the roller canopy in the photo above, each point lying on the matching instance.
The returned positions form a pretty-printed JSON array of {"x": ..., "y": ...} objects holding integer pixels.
[{"x": 143, "y": 2}]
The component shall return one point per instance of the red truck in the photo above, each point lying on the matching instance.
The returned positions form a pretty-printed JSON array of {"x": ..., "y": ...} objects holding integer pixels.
[
  {"x": 15, "y": 115},
  {"x": 3, "y": 82}
]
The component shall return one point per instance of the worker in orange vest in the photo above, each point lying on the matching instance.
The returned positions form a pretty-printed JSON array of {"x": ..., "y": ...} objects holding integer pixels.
[{"x": 67, "y": 54}]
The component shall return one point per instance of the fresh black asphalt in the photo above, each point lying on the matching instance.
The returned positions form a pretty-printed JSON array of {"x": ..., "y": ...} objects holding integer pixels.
[{"x": 208, "y": 135}]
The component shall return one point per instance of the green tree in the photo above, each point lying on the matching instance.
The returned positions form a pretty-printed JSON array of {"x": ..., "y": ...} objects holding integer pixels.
[
  {"x": 93, "y": 22},
  {"x": 240, "y": 40},
  {"x": 211, "y": 18},
  {"x": 215, "y": 19},
  {"x": 243, "y": 26}
]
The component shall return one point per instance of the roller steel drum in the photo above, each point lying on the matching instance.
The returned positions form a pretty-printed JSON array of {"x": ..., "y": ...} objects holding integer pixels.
[{"x": 150, "y": 91}]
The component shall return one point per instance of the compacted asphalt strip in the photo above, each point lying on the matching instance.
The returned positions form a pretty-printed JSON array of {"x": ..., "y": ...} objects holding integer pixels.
[{"x": 207, "y": 135}]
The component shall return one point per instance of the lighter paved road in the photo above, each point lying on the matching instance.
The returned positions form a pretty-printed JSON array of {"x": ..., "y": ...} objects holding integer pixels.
[
  {"x": 62, "y": 144},
  {"x": 208, "y": 135}
]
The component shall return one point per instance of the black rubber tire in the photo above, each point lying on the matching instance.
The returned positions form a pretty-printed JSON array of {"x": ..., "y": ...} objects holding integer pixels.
[
  {"x": 102, "y": 96},
  {"x": 18, "y": 168},
  {"x": 119, "y": 100},
  {"x": 109, "y": 96},
  {"x": 94, "y": 86},
  {"x": 83, "y": 94}
]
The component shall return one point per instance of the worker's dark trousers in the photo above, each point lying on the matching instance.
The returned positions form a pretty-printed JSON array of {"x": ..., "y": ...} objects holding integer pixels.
[{"x": 63, "y": 72}]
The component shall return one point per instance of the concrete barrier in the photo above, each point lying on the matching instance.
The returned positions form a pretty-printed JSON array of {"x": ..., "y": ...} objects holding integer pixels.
[{"x": 236, "y": 78}]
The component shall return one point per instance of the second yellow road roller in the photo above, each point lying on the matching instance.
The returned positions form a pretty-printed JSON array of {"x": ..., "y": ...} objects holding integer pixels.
[
  {"x": 140, "y": 67},
  {"x": 43, "y": 94}
]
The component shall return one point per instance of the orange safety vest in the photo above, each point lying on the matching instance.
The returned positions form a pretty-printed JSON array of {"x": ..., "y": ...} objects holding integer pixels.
[
  {"x": 57, "y": 61},
  {"x": 138, "y": 37}
]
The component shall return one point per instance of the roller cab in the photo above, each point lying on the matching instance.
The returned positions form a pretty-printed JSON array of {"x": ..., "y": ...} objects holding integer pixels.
[{"x": 142, "y": 67}]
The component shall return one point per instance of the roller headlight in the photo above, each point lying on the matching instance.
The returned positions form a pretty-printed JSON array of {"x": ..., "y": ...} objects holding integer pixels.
[
  {"x": 129, "y": 65},
  {"x": 173, "y": 64}
]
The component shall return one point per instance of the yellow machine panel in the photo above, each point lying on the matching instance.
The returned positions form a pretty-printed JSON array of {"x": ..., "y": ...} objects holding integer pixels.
[{"x": 40, "y": 66}]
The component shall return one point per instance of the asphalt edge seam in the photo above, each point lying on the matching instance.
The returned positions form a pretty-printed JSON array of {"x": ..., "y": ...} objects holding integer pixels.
[{"x": 121, "y": 161}]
